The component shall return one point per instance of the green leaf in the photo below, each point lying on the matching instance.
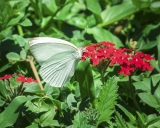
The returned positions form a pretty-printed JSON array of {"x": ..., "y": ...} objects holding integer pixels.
[
  {"x": 141, "y": 118},
  {"x": 5, "y": 15},
  {"x": 146, "y": 93},
  {"x": 19, "y": 40},
  {"x": 116, "y": 13},
  {"x": 55, "y": 102},
  {"x": 49, "y": 90},
  {"x": 155, "y": 7},
  {"x": 47, "y": 119},
  {"x": 101, "y": 34},
  {"x": 80, "y": 121},
  {"x": 71, "y": 101},
  {"x": 5, "y": 67},
  {"x": 155, "y": 79},
  {"x": 137, "y": 3},
  {"x": 33, "y": 126},
  {"x": 127, "y": 113},
  {"x": 3, "y": 90},
  {"x": 26, "y": 22},
  {"x": 20, "y": 5},
  {"x": 153, "y": 121},
  {"x": 49, "y": 7},
  {"x": 93, "y": 6},
  {"x": 16, "y": 20},
  {"x": 31, "y": 87},
  {"x": 155, "y": 64},
  {"x": 120, "y": 122},
  {"x": 78, "y": 21},
  {"x": 10, "y": 114},
  {"x": 63, "y": 13},
  {"x": 13, "y": 56},
  {"x": 85, "y": 78},
  {"x": 158, "y": 47},
  {"x": 106, "y": 100},
  {"x": 149, "y": 37},
  {"x": 23, "y": 54},
  {"x": 142, "y": 3}
]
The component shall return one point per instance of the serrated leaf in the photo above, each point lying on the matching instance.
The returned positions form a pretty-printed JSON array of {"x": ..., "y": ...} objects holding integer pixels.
[
  {"x": 120, "y": 122},
  {"x": 13, "y": 56},
  {"x": 80, "y": 121},
  {"x": 106, "y": 100}
]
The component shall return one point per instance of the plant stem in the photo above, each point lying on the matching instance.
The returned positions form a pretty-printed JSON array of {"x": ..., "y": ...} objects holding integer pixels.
[
  {"x": 103, "y": 67},
  {"x": 132, "y": 93},
  {"x": 30, "y": 59},
  {"x": 20, "y": 30},
  {"x": 20, "y": 88}
]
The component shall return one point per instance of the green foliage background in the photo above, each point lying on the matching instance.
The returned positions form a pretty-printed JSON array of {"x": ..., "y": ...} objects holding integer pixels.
[{"x": 122, "y": 102}]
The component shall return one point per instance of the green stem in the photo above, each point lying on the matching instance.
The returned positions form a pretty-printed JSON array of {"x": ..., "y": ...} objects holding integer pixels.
[
  {"x": 20, "y": 30},
  {"x": 19, "y": 89},
  {"x": 103, "y": 67},
  {"x": 132, "y": 93},
  {"x": 102, "y": 76}
]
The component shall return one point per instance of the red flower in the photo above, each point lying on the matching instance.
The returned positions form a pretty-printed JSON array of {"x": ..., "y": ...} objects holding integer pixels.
[
  {"x": 5, "y": 77},
  {"x": 21, "y": 78},
  {"x": 98, "y": 52},
  {"x": 128, "y": 59}
]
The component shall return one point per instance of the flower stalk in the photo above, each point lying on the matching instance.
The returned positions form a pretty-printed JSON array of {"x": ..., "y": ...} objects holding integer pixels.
[{"x": 30, "y": 59}]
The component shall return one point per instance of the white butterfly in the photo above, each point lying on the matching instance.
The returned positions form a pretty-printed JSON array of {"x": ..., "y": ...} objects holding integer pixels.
[{"x": 57, "y": 58}]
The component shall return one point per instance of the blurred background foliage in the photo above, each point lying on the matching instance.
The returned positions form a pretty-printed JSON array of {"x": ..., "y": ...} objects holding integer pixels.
[{"x": 133, "y": 24}]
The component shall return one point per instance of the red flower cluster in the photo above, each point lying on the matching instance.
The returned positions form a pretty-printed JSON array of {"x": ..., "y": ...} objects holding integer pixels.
[
  {"x": 129, "y": 60},
  {"x": 5, "y": 77},
  {"x": 98, "y": 52},
  {"x": 21, "y": 78}
]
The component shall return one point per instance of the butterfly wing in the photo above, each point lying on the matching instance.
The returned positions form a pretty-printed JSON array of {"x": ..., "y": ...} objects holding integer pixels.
[
  {"x": 58, "y": 59},
  {"x": 58, "y": 70},
  {"x": 44, "y": 48}
]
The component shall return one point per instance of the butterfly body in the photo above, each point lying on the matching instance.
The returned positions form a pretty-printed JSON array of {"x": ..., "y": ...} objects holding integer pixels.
[{"x": 57, "y": 58}]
